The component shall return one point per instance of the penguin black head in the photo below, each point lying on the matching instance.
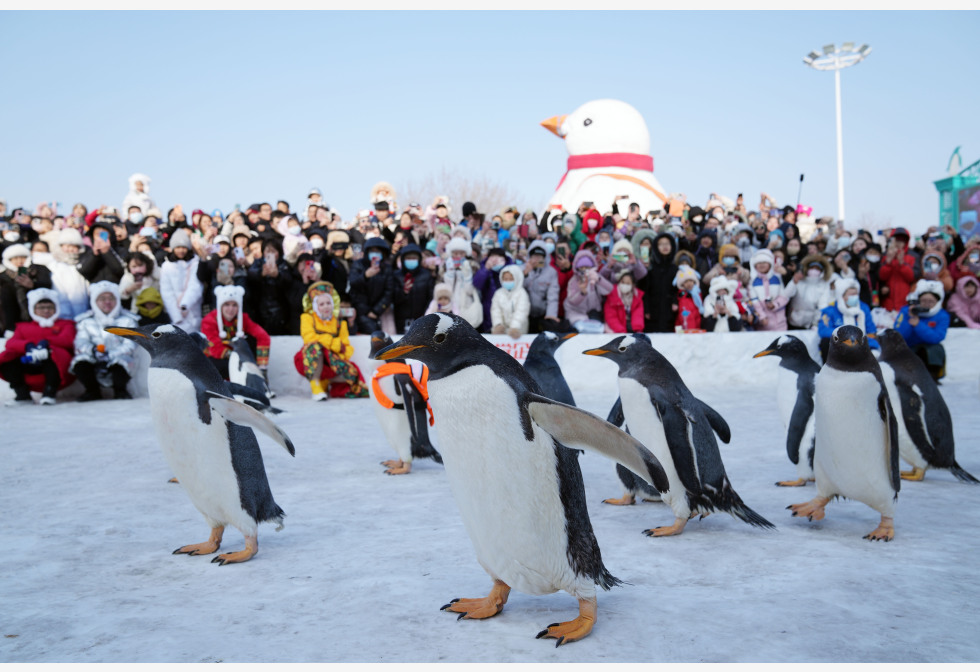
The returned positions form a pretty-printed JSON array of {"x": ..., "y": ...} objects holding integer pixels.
[
  {"x": 790, "y": 350},
  {"x": 379, "y": 340},
  {"x": 631, "y": 352},
  {"x": 158, "y": 339},
  {"x": 444, "y": 342},
  {"x": 892, "y": 344},
  {"x": 547, "y": 342},
  {"x": 849, "y": 348}
]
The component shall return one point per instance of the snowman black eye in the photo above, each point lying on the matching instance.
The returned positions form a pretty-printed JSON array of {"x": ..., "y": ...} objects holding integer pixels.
[
  {"x": 587, "y": 122},
  {"x": 439, "y": 338}
]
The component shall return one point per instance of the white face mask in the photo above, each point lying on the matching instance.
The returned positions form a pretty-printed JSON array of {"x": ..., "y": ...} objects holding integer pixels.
[
  {"x": 136, "y": 217},
  {"x": 11, "y": 236},
  {"x": 317, "y": 243},
  {"x": 625, "y": 287},
  {"x": 295, "y": 230}
]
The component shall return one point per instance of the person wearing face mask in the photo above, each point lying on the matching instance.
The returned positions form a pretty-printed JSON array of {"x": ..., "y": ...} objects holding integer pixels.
[
  {"x": 139, "y": 194},
  {"x": 808, "y": 292},
  {"x": 967, "y": 263},
  {"x": 510, "y": 307},
  {"x": 729, "y": 265},
  {"x": 964, "y": 304},
  {"x": 656, "y": 252},
  {"x": 897, "y": 271},
  {"x": 923, "y": 324},
  {"x": 586, "y": 294},
  {"x": 570, "y": 226},
  {"x": 867, "y": 276},
  {"x": 18, "y": 276},
  {"x": 372, "y": 287},
  {"x": 719, "y": 312},
  {"x": 414, "y": 284},
  {"x": 458, "y": 274},
  {"x": 624, "y": 309},
  {"x": 847, "y": 309},
  {"x": 487, "y": 281},
  {"x": 134, "y": 220},
  {"x": 103, "y": 359},
  {"x": 934, "y": 268},
  {"x": 541, "y": 284}
]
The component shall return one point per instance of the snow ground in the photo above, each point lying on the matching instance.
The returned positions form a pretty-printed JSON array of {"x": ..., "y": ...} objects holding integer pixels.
[{"x": 366, "y": 560}]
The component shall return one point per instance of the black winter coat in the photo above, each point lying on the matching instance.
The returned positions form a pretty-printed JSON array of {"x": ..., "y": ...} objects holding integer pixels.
[
  {"x": 374, "y": 294},
  {"x": 268, "y": 297},
  {"x": 413, "y": 305},
  {"x": 659, "y": 293},
  {"x": 13, "y": 295}
]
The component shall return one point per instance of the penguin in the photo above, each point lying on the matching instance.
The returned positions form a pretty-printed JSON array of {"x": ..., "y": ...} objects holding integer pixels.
[
  {"x": 402, "y": 411},
  {"x": 247, "y": 395},
  {"x": 857, "y": 434},
  {"x": 794, "y": 395},
  {"x": 543, "y": 367},
  {"x": 244, "y": 370},
  {"x": 631, "y": 484},
  {"x": 609, "y": 155},
  {"x": 679, "y": 429},
  {"x": 207, "y": 439},
  {"x": 518, "y": 487},
  {"x": 925, "y": 431}
]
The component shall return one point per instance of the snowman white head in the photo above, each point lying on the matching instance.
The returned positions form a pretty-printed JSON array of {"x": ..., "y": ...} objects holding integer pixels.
[{"x": 601, "y": 127}]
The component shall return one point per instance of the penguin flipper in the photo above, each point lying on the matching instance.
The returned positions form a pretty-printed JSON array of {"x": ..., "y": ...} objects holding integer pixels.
[
  {"x": 891, "y": 439},
  {"x": 802, "y": 411},
  {"x": 241, "y": 414},
  {"x": 254, "y": 398},
  {"x": 616, "y": 416},
  {"x": 717, "y": 422},
  {"x": 576, "y": 428}
]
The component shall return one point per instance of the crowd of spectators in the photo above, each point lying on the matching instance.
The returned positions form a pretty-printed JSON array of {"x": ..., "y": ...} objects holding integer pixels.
[{"x": 716, "y": 266}]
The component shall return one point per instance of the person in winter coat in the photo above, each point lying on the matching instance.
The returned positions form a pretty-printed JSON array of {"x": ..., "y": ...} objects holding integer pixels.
[
  {"x": 933, "y": 267},
  {"x": 139, "y": 194},
  {"x": 335, "y": 264},
  {"x": 968, "y": 263},
  {"x": 103, "y": 359},
  {"x": 46, "y": 342},
  {"x": 719, "y": 311},
  {"x": 729, "y": 266},
  {"x": 847, "y": 309},
  {"x": 458, "y": 274},
  {"x": 767, "y": 294},
  {"x": 179, "y": 286},
  {"x": 268, "y": 282},
  {"x": 964, "y": 305},
  {"x": 141, "y": 273},
  {"x": 442, "y": 300},
  {"x": 487, "y": 282},
  {"x": 325, "y": 358},
  {"x": 586, "y": 295},
  {"x": 18, "y": 276},
  {"x": 808, "y": 292},
  {"x": 742, "y": 238},
  {"x": 65, "y": 277},
  {"x": 624, "y": 310},
  {"x": 541, "y": 284},
  {"x": 706, "y": 254},
  {"x": 511, "y": 306},
  {"x": 688, "y": 300},
  {"x": 656, "y": 252},
  {"x": 897, "y": 271},
  {"x": 372, "y": 285},
  {"x": 148, "y": 306},
  {"x": 103, "y": 261},
  {"x": 923, "y": 324},
  {"x": 229, "y": 321},
  {"x": 413, "y": 287}
]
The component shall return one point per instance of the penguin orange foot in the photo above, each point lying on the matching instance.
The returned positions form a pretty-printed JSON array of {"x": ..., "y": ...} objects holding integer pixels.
[
  {"x": 392, "y": 463},
  {"x": 483, "y": 607},
  {"x": 251, "y": 548},
  {"x": 917, "y": 474},
  {"x": 669, "y": 530},
  {"x": 173, "y": 480},
  {"x": 798, "y": 483},
  {"x": 884, "y": 532},
  {"x": 812, "y": 510},
  {"x": 207, "y": 548},
  {"x": 402, "y": 468},
  {"x": 625, "y": 500},
  {"x": 576, "y": 629}
]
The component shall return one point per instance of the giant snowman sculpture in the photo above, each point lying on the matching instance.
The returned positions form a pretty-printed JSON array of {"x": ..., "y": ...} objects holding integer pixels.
[{"x": 609, "y": 155}]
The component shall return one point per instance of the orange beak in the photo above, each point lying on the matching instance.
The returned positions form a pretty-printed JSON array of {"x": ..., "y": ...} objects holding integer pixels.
[
  {"x": 554, "y": 124},
  {"x": 763, "y": 353},
  {"x": 850, "y": 342},
  {"x": 568, "y": 336},
  {"x": 119, "y": 331},
  {"x": 397, "y": 351},
  {"x": 597, "y": 352}
]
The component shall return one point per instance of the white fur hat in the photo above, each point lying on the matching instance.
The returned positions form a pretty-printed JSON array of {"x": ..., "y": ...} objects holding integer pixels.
[
  {"x": 762, "y": 255},
  {"x": 720, "y": 282},
  {"x": 223, "y": 294},
  {"x": 460, "y": 245},
  {"x": 930, "y": 287},
  {"x": 15, "y": 251},
  {"x": 70, "y": 237},
  {"x": 94, "y": 291},
  {"x": 43, "y": 294}
]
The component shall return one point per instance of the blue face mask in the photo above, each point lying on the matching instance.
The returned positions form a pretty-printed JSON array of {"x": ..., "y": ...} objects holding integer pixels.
[
  {"x": 496, "y": 269},
  {"x": 843, "y": 241},
  {"x": 728, "y": 261},
  {"x": 411, "y": 264},
  {"x": 852, "y": 300},
  {"x": 605, "y": 244},
  {"x": 549, "y": 247},
  {"x": 375, "y": 256},
  {"x": 508, "y": 284}
]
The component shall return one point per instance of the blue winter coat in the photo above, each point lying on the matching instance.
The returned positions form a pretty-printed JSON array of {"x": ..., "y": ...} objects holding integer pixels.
[
  {"x": 929, "y": 330},
  {"x": 831, "y": 318}
]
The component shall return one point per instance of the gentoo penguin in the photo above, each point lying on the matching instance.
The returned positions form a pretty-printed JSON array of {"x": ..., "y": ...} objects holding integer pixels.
[
  {"x": 631, "y": 484},
  {"x": 794, "y": 395},
  {"x": 925, "y": 432},
  {"x": 857, "y": 434},
  {"x": 257, "y": 399},
  {"x": 244, "y": 370},
  {"x": 518, "y": 488},
  {"x": 401, "y": 409},
  {"x": 543, "y": 367},
  {"x": 216, "y": 459},
  {"x": 609, "y": 155},
  {"x": 679, "y": 429}
]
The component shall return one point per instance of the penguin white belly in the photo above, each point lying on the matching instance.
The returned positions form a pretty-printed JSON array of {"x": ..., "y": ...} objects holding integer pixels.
[
  {"x": 803, "y": 468},
  {"x": 645, "y": 424},
  {"x": 393, "y": 421},
  {"x": 850, "y": 458},
  {"x": 906, "y": 446},
  {"x": 506, "y": 487},
  {"x": 197, "y": 453}
]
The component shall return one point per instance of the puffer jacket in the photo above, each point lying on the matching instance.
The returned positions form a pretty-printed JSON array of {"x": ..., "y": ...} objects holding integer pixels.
[
  {"x": 179, "y": 286},
  {"x": 541, "y": 285},
  {"x": 466, "y": 298},
  {"x": 511, "y": 308},
  {"x": 659, "y": 293},
  {"x": 91, "y": 333},
  {"x": 965, "y": 307},
  {"x": 809, "y": 296},
  {"x": 578, "y": 305}
]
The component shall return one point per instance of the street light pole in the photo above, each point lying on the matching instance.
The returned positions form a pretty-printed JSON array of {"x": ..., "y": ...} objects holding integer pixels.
[{"x": 836, "y": 59}]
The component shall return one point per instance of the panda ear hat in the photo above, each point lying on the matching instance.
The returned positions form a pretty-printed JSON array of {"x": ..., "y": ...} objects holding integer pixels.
[{"x": 224, "y": 294}]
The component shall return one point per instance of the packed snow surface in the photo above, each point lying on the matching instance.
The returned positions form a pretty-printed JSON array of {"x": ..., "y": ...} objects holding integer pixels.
[{"x": 366, "y": 560}]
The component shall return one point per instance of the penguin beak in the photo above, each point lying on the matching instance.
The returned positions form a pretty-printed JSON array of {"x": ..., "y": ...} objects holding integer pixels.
[
  {"x": 395, "y": 351},
  {"x": 596, "y": 351},
  {"x": 762, "y": 354},
  {"x": 125, "y": 333},
  {"x": 553, "y": 124},
  {"x": 850, "y": 342},
  {"x": 568, "y": 336}
]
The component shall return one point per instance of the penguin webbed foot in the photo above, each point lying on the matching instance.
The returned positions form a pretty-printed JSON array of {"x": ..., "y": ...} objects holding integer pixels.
[
  {"x": 798, "y": 483},
  {"x": 391, "y": 463},
  {"x": 917, "y": 474},
  {"x": 173, "y": 480},
  {"x": 207, "y": 548},
  {"x": 251, "y": 548},
  {"x": 668, "y": 530},
  {"x": 577, "y": 628},
  {"x": 812, "y": 510},
  {"x": 626, "y": 500},
  {"x": 396, "y": 467},
  {"x": 884, "y": 532},
  {"x": 482, "y": 607}
]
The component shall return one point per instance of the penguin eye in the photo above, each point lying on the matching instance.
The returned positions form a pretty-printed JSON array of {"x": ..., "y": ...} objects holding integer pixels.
[
  {"x": 439, "y": 338},
  {"x": 587, "y": 122},
  {"x": 155, "y": 334},
  {"x": 622, "y": 348},
  {"x": 836, "y": 338}
]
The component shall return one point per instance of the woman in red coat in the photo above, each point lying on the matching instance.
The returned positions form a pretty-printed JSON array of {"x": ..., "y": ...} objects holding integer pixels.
[
  {"x": 897, "y": 271},
  {"x": 624, "y": 307},
  {"x": 37, "y": 356},
  {"x": 229, "y": 321}
]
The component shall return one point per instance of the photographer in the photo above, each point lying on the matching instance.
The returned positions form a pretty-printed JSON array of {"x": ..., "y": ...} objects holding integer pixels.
[
  {"x": 102, "y": 262},
  {"x": 372, "y": 285},
  {"x": 897, "y": 271},
  {"x": 848, "y": 309},
  {"x": 18, "y": 276},
  {"x": 586, "y": 295},
  {"x": 923, "y": 323}
]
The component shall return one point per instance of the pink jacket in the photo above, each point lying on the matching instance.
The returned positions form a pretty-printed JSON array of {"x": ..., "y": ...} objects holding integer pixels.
[{"x": 966, "y": 308}]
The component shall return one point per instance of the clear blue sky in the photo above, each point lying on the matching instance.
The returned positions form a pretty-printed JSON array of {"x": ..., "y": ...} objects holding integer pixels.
[{"x": 225, "y": 108}]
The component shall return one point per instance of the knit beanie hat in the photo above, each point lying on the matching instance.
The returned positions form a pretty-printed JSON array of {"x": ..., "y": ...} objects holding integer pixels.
[
  {"x": 684, "y": 274},
  {"x": 180, "y": 239}
]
